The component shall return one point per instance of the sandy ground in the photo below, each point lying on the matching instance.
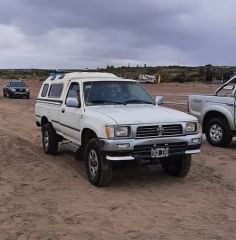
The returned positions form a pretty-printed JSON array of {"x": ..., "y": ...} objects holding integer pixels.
[{"x": 45, "y": 197}]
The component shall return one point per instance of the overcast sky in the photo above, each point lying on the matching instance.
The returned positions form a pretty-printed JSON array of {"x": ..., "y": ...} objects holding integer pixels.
[{"x": 94, "y": 33}]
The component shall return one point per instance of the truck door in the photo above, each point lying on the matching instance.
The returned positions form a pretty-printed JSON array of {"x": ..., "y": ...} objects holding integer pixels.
[{"x": 70, "y": 113}]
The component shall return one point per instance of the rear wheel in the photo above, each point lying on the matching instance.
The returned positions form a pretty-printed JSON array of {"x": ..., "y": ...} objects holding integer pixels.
[
  {"x": 177, "y": 166},
  {"x": 99, "y": 169},
  {"x": 218, "y": 132},
  {"x": 50, "y": 139}
]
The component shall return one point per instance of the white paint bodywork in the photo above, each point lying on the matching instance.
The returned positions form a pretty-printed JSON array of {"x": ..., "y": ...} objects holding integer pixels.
[
  {"x": 142, "y": 114},
  {"x": 97, "y": 118}
]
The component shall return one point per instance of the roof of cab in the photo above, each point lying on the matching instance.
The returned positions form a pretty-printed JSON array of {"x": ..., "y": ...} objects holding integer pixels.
[
  {"x": 90, "y": 75},
  {"x": 80, "y": 75}
]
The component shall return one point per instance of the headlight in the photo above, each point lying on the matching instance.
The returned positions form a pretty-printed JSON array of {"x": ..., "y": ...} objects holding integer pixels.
[
  {"x": 118, "y": 131},
  {"x": 13, "y": 89},
  {"x": 27, "y": 90},
  {"x": 121, "y": 131},
  {"x": 191, "y": 127}
]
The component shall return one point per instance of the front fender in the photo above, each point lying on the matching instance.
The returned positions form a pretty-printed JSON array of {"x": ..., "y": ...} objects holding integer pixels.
[
  {"x": 96, "y": 122},
  {"x": 224, "y": 110}
]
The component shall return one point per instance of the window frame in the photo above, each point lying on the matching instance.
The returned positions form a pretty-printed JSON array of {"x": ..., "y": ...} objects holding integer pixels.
[
  {"x": 53, "y": 84},
  {"x": 120, "y": 81},
  {"x": 70, "y": 89},
  {"x": 47, "y": 91}
]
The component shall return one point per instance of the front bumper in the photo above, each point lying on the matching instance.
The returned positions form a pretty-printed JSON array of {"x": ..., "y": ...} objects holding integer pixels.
[
  {"x": 19, "y": 94},
  {"x": 130, "y": 149}
]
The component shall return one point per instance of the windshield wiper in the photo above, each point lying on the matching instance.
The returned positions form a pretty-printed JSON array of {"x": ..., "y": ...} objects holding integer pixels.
[
  {"x": 106, "y": 101},
  {"x": 138, "y": 101}
]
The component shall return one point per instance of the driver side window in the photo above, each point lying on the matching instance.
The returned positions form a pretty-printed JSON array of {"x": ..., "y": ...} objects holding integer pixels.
[{"x": 73, "y": 95}]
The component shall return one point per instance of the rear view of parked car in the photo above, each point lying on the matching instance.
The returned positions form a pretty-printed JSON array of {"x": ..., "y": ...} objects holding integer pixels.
[{"x": 16, "y": 88}]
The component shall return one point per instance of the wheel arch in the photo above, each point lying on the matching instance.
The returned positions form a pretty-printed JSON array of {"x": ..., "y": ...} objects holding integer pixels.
[
  {"x": 212, "y": 114},
  {"x": 44, "y": 120},
  {"x": 86, "y": 135}
]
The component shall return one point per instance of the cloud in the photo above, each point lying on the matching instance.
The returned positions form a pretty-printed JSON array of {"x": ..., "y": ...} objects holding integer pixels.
[{"x": 81, "y": 33}]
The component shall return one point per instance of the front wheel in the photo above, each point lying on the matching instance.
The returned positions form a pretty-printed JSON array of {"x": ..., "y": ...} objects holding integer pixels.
[
  {"x": 218, "y": 132},
  {"x": 50, "y": 139},
  {"x": 99, "y": 169},
  {"x": 177, "y": 166}
]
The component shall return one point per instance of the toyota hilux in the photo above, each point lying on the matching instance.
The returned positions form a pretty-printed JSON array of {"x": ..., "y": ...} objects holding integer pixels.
[{"x": 106, "y": 119}]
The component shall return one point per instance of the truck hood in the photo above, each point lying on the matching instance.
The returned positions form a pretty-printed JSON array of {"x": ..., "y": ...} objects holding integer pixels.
[{"x": 142, "y": 114}]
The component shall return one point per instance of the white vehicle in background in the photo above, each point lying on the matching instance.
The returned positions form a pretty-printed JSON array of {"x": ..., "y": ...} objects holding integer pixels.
[
  {"x": 217, "y": 113},
  {"x": 145, "y": 78},
  {"x": 105, "y": 119}
]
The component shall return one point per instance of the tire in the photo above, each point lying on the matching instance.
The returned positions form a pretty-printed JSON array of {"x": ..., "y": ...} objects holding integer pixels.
[
  {"x": 50, "y": 139},
  {"x": 177, "y": 166},
  {"x": 99, "y": 169},
  {"x": 28, "y": 96},
  {"x": 80, "y": 154},
  {"x": 218, "y": 132}
]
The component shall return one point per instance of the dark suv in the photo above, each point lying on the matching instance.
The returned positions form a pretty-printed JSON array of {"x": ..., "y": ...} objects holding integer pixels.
[{"x": 16, "y": 88}]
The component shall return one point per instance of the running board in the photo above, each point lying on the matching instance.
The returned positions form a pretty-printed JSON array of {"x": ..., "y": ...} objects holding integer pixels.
[{"x": 70, "y": 146}]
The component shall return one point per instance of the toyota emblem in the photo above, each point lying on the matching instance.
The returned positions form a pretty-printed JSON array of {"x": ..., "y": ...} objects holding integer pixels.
[{"x": 160, "y": 130}]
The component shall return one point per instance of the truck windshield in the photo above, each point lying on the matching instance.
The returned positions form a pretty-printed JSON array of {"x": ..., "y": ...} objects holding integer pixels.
[
  {"x": 17, "y": 84},
  {"x": 115, "y": 92}
]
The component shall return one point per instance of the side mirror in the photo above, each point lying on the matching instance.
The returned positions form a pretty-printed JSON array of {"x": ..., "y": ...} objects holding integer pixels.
[
  {"x": 73, "y": 102},
  {"x": 159, "y": 100}
]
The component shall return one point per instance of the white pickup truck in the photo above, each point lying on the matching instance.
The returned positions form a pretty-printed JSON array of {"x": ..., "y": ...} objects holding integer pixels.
[
  {"x": 104, "y": 119},
  {"x": 216, "y": 113}
]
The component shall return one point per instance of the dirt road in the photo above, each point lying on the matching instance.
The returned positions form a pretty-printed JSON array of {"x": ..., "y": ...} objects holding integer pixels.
[{"x": 44, "y": 197}]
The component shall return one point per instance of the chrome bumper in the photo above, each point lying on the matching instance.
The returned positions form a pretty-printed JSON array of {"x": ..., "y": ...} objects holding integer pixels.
[
  {"x": 122, "y": 146},
  {"x": 123, "y": 158}
]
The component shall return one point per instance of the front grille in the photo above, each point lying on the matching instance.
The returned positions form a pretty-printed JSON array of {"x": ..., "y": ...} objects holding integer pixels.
[
  {"x": 20, "y": 90},
  {"x": 159, "y": 131},
  {"x": 144, "y": 151}
]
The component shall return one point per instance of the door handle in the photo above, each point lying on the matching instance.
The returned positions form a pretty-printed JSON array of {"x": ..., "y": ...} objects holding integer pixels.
[{"x": 63, "y": 110}]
